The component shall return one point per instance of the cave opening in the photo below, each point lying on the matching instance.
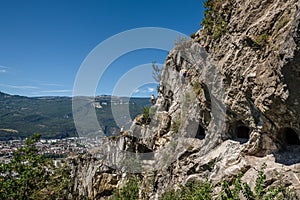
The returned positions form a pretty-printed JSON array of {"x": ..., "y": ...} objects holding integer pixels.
[
  {"x": 290, "y": 136},
  {"x": 200, "y": 132},
  {"x": 242, "y": 132}
]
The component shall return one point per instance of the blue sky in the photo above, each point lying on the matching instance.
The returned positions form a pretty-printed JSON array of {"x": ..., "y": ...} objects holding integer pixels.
[{"x": 44, "y": 42}]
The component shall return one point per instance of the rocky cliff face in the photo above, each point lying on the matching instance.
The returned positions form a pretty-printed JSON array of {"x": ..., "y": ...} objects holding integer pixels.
[
  {"x": 236, "y": 109},
  {"x": 259, "y": 58}
]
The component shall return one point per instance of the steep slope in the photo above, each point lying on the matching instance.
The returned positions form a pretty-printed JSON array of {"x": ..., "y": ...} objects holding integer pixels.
[{"x": 235, "y": 110}]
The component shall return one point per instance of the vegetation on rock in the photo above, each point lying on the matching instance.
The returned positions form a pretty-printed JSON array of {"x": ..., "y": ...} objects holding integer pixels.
[
  {"x": 156, "y": 71},
  {"x": 146, "y": 115},
  {"x": 213, "y": 23},
  {"x": 197, "y": 88},
  {"x": 235, "y": 191},
  {"x": 201, "y": 191},
  {"x": 29, "y": 175},
  {"x": 176, "y": 125},
  {"x": 130, "y": 191}
]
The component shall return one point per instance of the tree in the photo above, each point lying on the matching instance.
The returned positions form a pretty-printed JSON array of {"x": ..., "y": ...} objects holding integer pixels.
[
  {"x": 29, "y": 175},
  {"x": 182, "y": 43},
  {"x": 156, "y": 73}
]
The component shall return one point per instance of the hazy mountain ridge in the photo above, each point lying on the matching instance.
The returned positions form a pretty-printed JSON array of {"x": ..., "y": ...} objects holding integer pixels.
[{"x": 52, "y": 117}]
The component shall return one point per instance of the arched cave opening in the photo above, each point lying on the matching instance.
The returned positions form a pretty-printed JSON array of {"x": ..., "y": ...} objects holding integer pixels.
[
  {"x": 290, "y": 136},
  {"x": 200, "y": 133},
  {"x": 242, "y": 132}
]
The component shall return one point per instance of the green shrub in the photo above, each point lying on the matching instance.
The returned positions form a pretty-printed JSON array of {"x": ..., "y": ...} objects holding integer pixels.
[
  {"x": 199, "y": 191},
  {"x": 146, "y": 115},
  {"x": 213, "y": 23},
  {"x": 197, "y": 88},
  {"x": 234, "y": 191},
  {"x": 261, "y": 192},
  {"x": 219, "y": 29},
  {"x": 262, "y": 40},
  {"x": 175, "y": 126},
  {"x": 130, "y": 191}
]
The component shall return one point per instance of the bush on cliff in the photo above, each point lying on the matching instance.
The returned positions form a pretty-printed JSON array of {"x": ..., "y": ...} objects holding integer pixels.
[
  {"x": 234, "y": 191},
  {"x": 130, "y": 191},
  {"x": 29, "y": 175}
]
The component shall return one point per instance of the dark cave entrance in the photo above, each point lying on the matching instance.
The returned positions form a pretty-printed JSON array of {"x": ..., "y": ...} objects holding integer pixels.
[
  {"x": 200, "y": 133},
  {"x": 242, "y": 132},
  {"x": 289, "y": 136}
]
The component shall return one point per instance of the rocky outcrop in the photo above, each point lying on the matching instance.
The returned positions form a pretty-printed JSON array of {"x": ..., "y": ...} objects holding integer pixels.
[
  {"x": 228, "y": 102},
  {"x": 93, "y": 178},
  {"x": 258, "y": 56}
]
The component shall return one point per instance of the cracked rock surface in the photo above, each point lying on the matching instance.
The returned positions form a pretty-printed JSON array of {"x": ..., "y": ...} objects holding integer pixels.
[{"x": 236, "y": 109}]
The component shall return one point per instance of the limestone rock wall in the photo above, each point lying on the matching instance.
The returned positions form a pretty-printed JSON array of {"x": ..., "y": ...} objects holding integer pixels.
[
  {"x": 236, "y": 110},
  {"x": 260, "y": 75}
]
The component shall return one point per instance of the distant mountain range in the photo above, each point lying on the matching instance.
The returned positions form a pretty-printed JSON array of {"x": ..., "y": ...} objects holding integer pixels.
[{"x": 52, "y": 116}]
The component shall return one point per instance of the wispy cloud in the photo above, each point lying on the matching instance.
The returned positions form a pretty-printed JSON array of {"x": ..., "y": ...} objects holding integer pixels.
[
  {"x": 56, "y": 91},
  {"x": 3, "y": 69},
  {"x": 150, "y": 89},
  {"x": 137, "y": 91},
  {"x": 145, "y": 90},
  {"x": 24, "y": 87},
  {"x": 53, "y": 84}
]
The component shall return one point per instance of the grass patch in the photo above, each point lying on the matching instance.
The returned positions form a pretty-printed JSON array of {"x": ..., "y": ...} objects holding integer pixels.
[
  {"x": 262, "y": 40},
  {"x": 176, "y": 126},
  {"x": 197, "y": 88},
  {"x": 282, "y": 23}
]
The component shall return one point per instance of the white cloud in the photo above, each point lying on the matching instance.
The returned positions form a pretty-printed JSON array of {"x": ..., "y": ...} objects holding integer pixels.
[
  {"x": 56, "y": 91},
  {"x": 137, "y": 91},
  {"x": 144, "y": 91},
  {"x": 3, "y": 69},
  {"x": 53, "y": 84},
  {"x": 150, "y": 89},
  {"x": 25, "y": 87}
]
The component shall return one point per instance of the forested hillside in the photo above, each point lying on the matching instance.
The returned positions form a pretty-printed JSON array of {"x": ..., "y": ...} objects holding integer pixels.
[{"x": 52, "y": 116}]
